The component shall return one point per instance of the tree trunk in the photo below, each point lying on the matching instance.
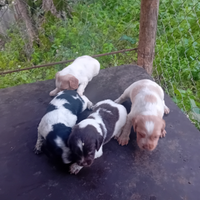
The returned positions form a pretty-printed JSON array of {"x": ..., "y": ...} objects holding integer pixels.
[
  {"x": 23, "y": 12},
  {"x": 147, "y": 36},
  {"x": 48, "y": 5}
]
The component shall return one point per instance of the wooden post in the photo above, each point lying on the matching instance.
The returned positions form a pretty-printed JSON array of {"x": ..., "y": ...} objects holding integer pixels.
[{"x": 147, "y": 36}]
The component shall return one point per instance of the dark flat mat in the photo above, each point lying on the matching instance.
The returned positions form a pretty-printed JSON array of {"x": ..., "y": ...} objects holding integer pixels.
[{"x": 172, "y": 171}]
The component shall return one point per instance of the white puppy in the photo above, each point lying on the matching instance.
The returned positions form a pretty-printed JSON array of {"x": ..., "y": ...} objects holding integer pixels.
[
  {"x": 55, "y": 126},
  {"x": 88, "y": 137},
  {"x": 77, "y": 75},
  {"x": 146, "y": 114}
]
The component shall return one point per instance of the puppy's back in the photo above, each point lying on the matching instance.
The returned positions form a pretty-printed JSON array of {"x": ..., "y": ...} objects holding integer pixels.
[
  {"x": 113, "y": 116},
  {"x": 147, "y": 98},
  {"x": 83, "y": 65},
  {"x": 64, "y": 109}
]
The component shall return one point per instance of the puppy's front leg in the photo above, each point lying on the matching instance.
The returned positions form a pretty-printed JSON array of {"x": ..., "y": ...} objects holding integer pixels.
[
  {"x": 38, "y": 145},
  {"x": 75, "y": 168},
  {"x": 54, "y": 92},
  {"x": 124, "y": 137},
  {"x": 81, "y": 88}
]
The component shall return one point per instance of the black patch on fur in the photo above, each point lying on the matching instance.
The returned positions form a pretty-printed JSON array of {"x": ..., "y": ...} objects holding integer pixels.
[
  {"x": 74, "y": 105},
  {"x": 50, "y": 108},
  {"x": 51, "y": 148},
  {"x": 110, "y": 116}
]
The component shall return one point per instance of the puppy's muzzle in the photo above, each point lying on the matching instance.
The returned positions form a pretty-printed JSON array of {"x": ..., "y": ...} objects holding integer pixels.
[{"x": 148, "y": 147}]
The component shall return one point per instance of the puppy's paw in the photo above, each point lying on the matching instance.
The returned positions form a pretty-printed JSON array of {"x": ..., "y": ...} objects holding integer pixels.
[
  {"x": 80, "y": 93},
  {"x": 117, "y": 100},
  {"x": 163, "y": 133},
  {"x": 123, "y": 140},
  {"x": 92, "y": 108},
  {"x": 75, "y": 168},
  {"x": 52, "y": 93},
  {"x": 117, "y": 136},
  {"x": 37, "y": 151},
  {"x": 90, "y": 105},
  {"x": 166, "y": 110}
]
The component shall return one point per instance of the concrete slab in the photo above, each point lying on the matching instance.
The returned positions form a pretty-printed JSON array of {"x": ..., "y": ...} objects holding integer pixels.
[{"x": 172, "y": 171}]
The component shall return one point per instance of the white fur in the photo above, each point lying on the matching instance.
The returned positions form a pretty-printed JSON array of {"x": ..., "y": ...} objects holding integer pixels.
[
  {"x": 149, "y": 125},
  {"x": 99, "y": 153},
  {"x": 80, "y": 144},
  {"x": 142, "y": 107},
  {"x": 88, "y": 104},
  {"x": 75, "y": 168},
  {"x": 92, "y": 122},
  {"x": 84, "y": 68},
  {"x": 66, "y": 150}
]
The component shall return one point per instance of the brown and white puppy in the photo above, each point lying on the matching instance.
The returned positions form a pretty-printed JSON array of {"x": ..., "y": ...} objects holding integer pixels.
[
  {"x": 146, "y": 115},
  {"x": 88, "y": 137},
  {"x": 77, "y": 75}
]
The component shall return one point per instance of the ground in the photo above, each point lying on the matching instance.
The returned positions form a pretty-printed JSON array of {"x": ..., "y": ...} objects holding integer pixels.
[{"x": 172, "y": 171}]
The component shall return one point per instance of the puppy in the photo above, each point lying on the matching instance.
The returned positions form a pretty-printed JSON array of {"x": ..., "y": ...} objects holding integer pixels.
[
  {"x": 55, "y": 126},
  {"x": 146, "y": 114},
  {"x": 88, "y": 137},
  {"x": 77, "y": 75}
]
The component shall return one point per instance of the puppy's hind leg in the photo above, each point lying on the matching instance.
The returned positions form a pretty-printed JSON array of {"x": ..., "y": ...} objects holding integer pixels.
[
  {"x": 88, "y": 103},
  {"x": 38, "y": 145},
  {"x": 166, "y": 109},
  {"x": 123, "y": 97}
]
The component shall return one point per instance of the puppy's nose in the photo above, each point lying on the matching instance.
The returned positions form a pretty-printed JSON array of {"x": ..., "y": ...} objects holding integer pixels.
[
  {"x": 145, "y": 146},
  {"x": 148, "y": 147}
]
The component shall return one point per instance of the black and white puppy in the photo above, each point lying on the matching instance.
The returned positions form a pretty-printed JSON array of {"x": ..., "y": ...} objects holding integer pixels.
[
  {"x": 89, "y": 136},
  {"x": 56, "y": 125}
]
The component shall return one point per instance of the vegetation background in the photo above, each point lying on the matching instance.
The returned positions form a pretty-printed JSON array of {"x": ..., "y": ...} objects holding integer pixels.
[{"x": 54, "y": 30}]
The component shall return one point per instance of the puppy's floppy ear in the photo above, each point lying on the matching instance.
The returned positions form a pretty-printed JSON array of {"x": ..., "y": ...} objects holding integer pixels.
[
  {"x": 63, "y": 81},
  {"x": 139, "y": 119},
  {"x": 134, "y": 122},
  {"x": 57, "y": 75},
  {"x": 73, "y": 82},
  {"x": 99, "y": 142}
]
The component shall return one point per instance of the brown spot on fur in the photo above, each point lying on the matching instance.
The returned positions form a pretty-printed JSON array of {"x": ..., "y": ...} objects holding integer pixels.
[
  {"x": 73, "y": 82},
  {"x": 67, "y": 82},
  {"x": 144, "y": 84},
  {"x": 150, "y": 98},
  {"x": 156, "y": 90},
  {"x": 134, "y": 92}
]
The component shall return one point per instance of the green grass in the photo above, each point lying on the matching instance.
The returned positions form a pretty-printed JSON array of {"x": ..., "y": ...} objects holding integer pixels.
[{"x": 104, "y": 26}]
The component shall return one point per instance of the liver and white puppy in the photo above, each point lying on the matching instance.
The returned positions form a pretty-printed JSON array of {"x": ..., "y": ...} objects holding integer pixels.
[
  {"x": 77, "y": 75},
  {"x": 146, "y": 114},
  {"x": 55, "y": 126},
  {"x": 88, "y": 137}
]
